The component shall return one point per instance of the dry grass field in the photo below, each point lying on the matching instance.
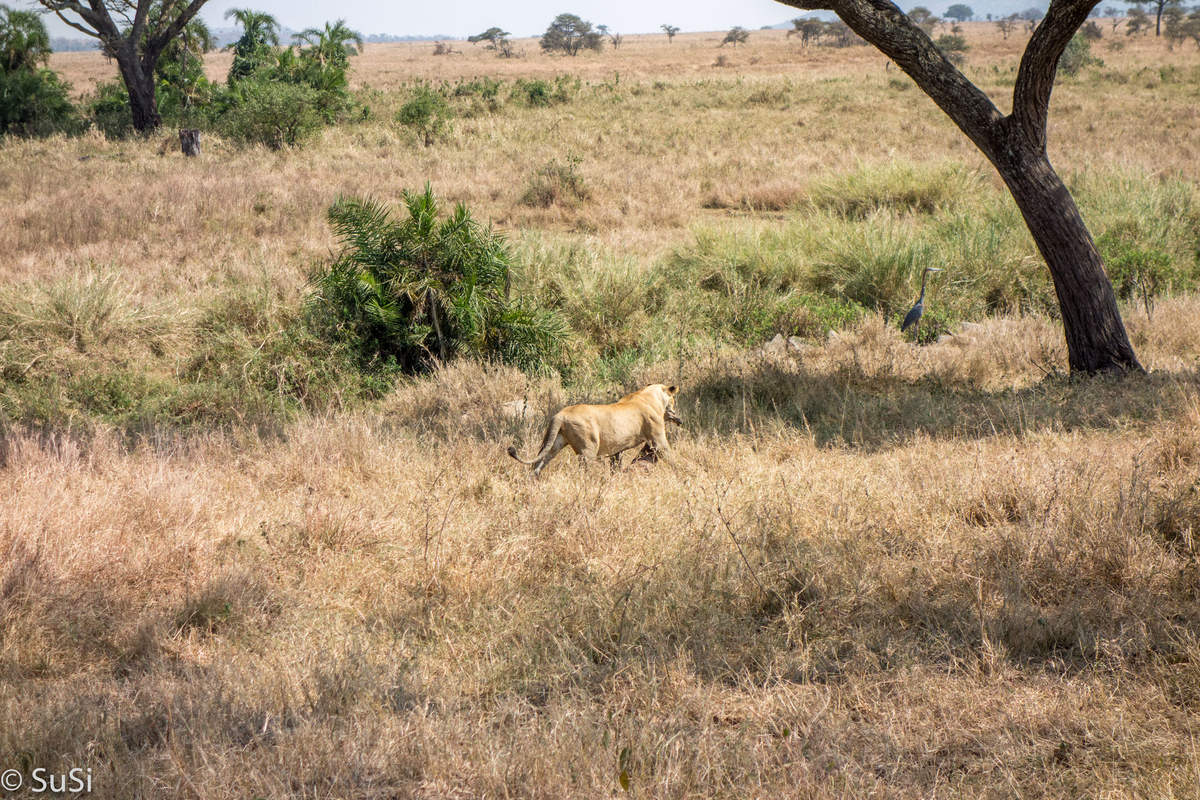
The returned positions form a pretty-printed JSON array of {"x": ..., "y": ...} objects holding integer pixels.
[{"x": 227, "y": 570}]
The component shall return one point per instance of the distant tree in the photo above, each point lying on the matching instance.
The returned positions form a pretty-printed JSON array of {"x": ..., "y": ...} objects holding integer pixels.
[
  {"x": 670, "y": 31},
  {"x": 1158, "y": 7},
  {"x": 811, "y": 30},
  {"x": 960, "y": 12},
  {"x": 808, "y": 29},
  {"x": 1091, "y": 32},
  {"x": 842, "y": 35},
  {"x": 136, "y": 46},
  {"x": 570, "y": 34},
  {"x": 1007, "y": 24},
  {"x": 1173, "y": 22},
  {"x": 923, "y": 18},
  {"x": 735, "y": 36},
  {"x": 260, "y": 32},
  {"x": 1016, "y": 145},
  {"x": 1189, "y": 28},
  {"x": 1115, "y": 15},
  {"x": 1138, "y": 21},
  {"x": 615, "y": 38},
  {"x": 24, "y": 40},
  {"x": 330, "y": 46},
  {"x": 506, "y": 49},
  {"x": 493, "y": 35},
  {"x": 955, "y": 47},
  {"x": 427, "y": 113}
]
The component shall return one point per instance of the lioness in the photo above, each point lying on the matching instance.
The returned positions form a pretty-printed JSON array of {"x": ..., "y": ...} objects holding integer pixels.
[{"x": 594, "y": 431}]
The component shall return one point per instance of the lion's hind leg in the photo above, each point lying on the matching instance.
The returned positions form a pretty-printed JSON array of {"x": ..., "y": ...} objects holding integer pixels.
[{"x": 546, "y": 456}]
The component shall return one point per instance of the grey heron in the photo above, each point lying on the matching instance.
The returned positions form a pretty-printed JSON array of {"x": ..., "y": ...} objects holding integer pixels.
[{"x": 914, "y": 316}]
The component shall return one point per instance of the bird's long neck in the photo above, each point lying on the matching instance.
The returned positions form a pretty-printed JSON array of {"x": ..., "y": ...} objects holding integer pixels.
[{"x": 924, "y": 278}]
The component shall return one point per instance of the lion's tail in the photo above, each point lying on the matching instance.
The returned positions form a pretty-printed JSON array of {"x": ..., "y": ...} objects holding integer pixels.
[{"x": 547, "y": 443}]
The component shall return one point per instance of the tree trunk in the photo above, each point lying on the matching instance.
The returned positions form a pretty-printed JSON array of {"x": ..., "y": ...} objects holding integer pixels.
[
  {"x": 1015, "y": 144},
  {"x": 143, "y": 103},
  {"x": 189, "y": 140},
  {"x": 1095, "y": 334}
]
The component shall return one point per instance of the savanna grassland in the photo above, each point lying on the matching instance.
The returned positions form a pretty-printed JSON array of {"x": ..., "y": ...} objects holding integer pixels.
[{"x": 234, "y": 565}]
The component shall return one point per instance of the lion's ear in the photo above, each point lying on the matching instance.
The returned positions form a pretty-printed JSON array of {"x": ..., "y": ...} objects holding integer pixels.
[{"x": 672, "y": 389}]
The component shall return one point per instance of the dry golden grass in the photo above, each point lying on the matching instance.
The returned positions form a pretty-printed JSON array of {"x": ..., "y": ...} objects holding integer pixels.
[
  {"x": 383, "y": 605},
  {"x": 885, "y": 570},
  {"x": 675, "y": 135}
]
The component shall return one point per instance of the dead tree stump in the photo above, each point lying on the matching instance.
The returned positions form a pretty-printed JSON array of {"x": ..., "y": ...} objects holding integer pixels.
[{"x": 189, "y": 140}]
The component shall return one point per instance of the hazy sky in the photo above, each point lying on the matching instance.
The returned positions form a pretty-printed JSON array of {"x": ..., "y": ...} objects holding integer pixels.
[{"x": 525, "y": 18}]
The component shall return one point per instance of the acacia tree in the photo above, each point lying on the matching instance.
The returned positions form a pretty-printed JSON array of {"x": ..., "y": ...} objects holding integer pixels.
[
  {"x": 736, "y": 35},
  {"x": 1158, "y": 7},
  {"x": 570, "y": 34},
  {"x": 493, "y": 35},
  {"x": 670, "y": 31},
  {"x": 135, "y": 37},
  {"x": 1015, "y": 144}
]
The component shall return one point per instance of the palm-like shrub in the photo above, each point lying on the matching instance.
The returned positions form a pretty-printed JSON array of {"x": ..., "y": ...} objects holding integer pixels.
[
  {"x": 423, "y": 287},
  {"x": 329, "y": 46},
  {"x": 24, "y": 40},
  {"x": 253, "y": 49}
]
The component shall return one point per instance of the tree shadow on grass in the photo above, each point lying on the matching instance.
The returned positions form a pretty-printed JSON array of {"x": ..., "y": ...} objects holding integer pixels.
[{"x": 846, "y": 405}]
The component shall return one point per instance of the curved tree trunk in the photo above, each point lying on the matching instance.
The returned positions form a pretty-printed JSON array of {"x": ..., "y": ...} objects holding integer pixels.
[
  {"x": 1095, "y": 334},
  {"x": 1016, "y": 146}
]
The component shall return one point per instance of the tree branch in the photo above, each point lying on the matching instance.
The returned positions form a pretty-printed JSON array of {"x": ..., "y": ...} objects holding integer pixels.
[
  {"x": 1039, "y": 65},
  {"x": 96, "y": 16},
  {"x": 890, "y": 30},
  {"x": 157, "y": 42}
]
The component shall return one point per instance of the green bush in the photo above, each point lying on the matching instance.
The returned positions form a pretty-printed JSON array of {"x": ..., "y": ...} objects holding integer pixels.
[
  {"x": 954, "y": 46},
  {"x": 274, "y": 114},
  {"x": 427, "y": 113},
  {"x": 412, "y": 290},
  {"x": 1077, "y": 56},
  {"x": 34, "y": 102},
  {"x": 485, "y": 88},
  {"x": 1138, "y": 274},
  {"x": 539, "y": 93}
]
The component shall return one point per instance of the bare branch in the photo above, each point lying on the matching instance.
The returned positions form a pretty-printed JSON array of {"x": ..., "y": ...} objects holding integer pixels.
[{"x": 97, "y": 16}]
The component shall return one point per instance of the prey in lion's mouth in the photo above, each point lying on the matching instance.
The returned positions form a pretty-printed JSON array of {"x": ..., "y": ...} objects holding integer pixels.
[{"x": 671, "y": 416}]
